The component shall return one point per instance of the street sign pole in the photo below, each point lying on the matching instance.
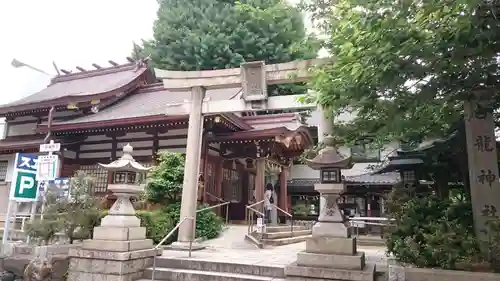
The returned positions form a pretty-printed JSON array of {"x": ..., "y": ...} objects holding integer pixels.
[
  {"x": 48, "y": 167},
  {"x": 23, "y": 189},
  {"x": 6, "y": 228}
]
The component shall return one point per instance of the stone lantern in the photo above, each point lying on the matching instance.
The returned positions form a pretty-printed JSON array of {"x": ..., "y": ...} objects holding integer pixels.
[
  {"x": 120, "y": 242},
  {"x": 331, "y": 252},
  {"x": 127, "y": 178},
  {"x": 330, "y": 187}
]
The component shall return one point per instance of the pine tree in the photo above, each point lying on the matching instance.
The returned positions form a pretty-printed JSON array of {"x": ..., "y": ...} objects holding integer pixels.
[{"x": 215, "y": 34}]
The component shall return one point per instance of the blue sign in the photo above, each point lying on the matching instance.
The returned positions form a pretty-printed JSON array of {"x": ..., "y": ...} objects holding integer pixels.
[
  {"x": 23, "y": 187},
  {"x": 26, "y": 162},
  {"x": 61, "y": 185}
]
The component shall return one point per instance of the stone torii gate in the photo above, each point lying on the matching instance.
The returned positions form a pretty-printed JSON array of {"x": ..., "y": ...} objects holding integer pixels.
[{"x": 253, "y": 77}]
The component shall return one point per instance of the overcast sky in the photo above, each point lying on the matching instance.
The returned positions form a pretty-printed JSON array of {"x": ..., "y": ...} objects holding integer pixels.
[{"x": 70, "y": 32}]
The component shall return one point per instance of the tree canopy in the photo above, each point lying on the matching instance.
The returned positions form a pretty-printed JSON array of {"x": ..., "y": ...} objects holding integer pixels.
[
  {"x": 215, "y": 34},
  {"x": 404, "y": 67}
]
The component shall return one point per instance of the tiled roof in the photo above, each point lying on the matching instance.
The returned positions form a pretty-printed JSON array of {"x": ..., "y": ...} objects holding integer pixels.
[
  {"x": 75, "y": 87},
  {"x": 382, "y": 179},
  {"x": 146, "y": 103},
  {"x": 387, "y": 178}
]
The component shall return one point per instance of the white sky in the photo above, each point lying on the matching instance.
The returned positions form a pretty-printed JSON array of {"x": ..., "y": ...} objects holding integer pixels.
[{"x": 70, "y": 32}]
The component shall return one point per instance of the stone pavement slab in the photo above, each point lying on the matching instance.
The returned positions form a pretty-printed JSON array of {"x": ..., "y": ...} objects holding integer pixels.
[{"x": 232, "y": 247}]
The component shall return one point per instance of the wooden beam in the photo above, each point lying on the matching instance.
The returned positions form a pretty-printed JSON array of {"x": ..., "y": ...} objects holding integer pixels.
[
  {"x": 65, "y": 71},
  {"x": 113, "y": 63},
  {"x": 135, "y": 149},
  {"x": 182, "y": 136},
  {"x": 81, "y": 69},
  {"x": 96, "y": 66},
  {"x": 130, "y": 59}
]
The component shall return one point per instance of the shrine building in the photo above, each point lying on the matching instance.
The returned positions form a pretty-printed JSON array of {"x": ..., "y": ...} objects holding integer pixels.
[{"x": 94, "y": 113}]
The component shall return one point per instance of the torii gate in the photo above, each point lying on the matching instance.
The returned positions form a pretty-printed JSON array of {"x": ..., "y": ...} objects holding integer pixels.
[{"x": 253, "y": 77}]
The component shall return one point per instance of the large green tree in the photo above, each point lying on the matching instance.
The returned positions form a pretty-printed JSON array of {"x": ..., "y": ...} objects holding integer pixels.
[
  {"x": 218, "y": 34},
  {"x": 406, "y": 66}
]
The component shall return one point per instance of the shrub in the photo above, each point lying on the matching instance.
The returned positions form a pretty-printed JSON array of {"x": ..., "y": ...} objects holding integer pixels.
[
  {"x": 157, "y": 223},
  {"x": 208, "y": 224},
  {"x": 164, "y": 183},
  {"x": 429, "y": 231},
  {"x": 75, "y": 213}
]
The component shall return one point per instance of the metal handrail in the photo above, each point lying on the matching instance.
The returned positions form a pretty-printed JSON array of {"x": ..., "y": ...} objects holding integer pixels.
[
  {"x": 220, "y": 205},
  {"x": 218, "y": 198},
  {"x": 258, "y": 212},
  {"x": 256, "y": 203},
  {"x": 288, "y": 214},
  {"x": 249, "y": 216},
  {"x": 168, "y": 236},
  {"x": 216, "y": 206},
  {"x": 283, "y": 211},
  {"x": 355, "y": 222}
]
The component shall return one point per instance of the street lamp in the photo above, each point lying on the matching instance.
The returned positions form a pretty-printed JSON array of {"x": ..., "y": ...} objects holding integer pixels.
[{"x": 17, "y": 64}]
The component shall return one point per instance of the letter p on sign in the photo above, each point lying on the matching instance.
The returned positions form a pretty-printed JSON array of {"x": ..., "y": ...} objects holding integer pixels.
[
  {"x": 25, "y": 187},
  {"x": 26, "y": 183}
]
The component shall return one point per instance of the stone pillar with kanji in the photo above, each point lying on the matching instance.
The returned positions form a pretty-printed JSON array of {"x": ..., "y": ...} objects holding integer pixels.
[
  {"x": 483, "y": 162},
  {"x": 119, "y": 249},
  {"x": 331, "y": 252}
]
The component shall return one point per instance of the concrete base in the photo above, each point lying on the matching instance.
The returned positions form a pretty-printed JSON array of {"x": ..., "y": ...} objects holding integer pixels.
[
  {"x": 184, "y": 246},
  {"x": 356, "y": 262},
  {"x": 331, "y": 245},
  {"x": 336, "y": 229},
  {"x": 119, "y": 233},
  {"x": 330, "y": 258},
  {"x": 117, "y": 246},
  {"x": 110, "y": 266}
]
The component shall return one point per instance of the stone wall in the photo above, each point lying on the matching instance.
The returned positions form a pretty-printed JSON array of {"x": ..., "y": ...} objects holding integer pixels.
[
  {"x": 424, "y": 274},
  {"x": 400, "y": 273}
]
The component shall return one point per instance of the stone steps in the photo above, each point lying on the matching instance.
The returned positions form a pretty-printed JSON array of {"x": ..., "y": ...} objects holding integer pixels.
[
  {"x": 279, "y": 235},
  {"x": 172, "y": 274},
  {"x": 286, "y": 234},
  {"x": 284, "y": 228},
  {"x": 285, "y": 241},
  {"x": 205, "y": 270}
]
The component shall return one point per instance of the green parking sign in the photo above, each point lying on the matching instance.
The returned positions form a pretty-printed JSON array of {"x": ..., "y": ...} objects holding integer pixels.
[{"x": 24, "y": 186}]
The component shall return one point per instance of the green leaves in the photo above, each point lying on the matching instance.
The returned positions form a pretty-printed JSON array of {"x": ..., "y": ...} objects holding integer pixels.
[
  {"x": 382, "y": 48},
  {"x": 214, "y": 34},
  {"x": 164, "y": 183}
]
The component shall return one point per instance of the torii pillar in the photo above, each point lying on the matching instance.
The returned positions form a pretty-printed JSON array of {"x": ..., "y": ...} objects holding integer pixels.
[{"x": 253, "y": 77}]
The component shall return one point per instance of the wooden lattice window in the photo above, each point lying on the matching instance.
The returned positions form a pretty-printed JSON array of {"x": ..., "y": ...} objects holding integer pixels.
[
  {"x": 100, "y": 176},
  {"x": 4, "y": 165},
  {"x": 232, "y": 186}
]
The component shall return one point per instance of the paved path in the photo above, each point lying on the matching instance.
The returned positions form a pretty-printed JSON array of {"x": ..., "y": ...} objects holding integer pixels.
[{"x": 231, "y": 247}]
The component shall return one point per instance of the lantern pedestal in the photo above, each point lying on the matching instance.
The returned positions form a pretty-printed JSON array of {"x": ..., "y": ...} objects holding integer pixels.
[
  {"x": 119, "y": 250},
  {"x": 331, "y": 253}
]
